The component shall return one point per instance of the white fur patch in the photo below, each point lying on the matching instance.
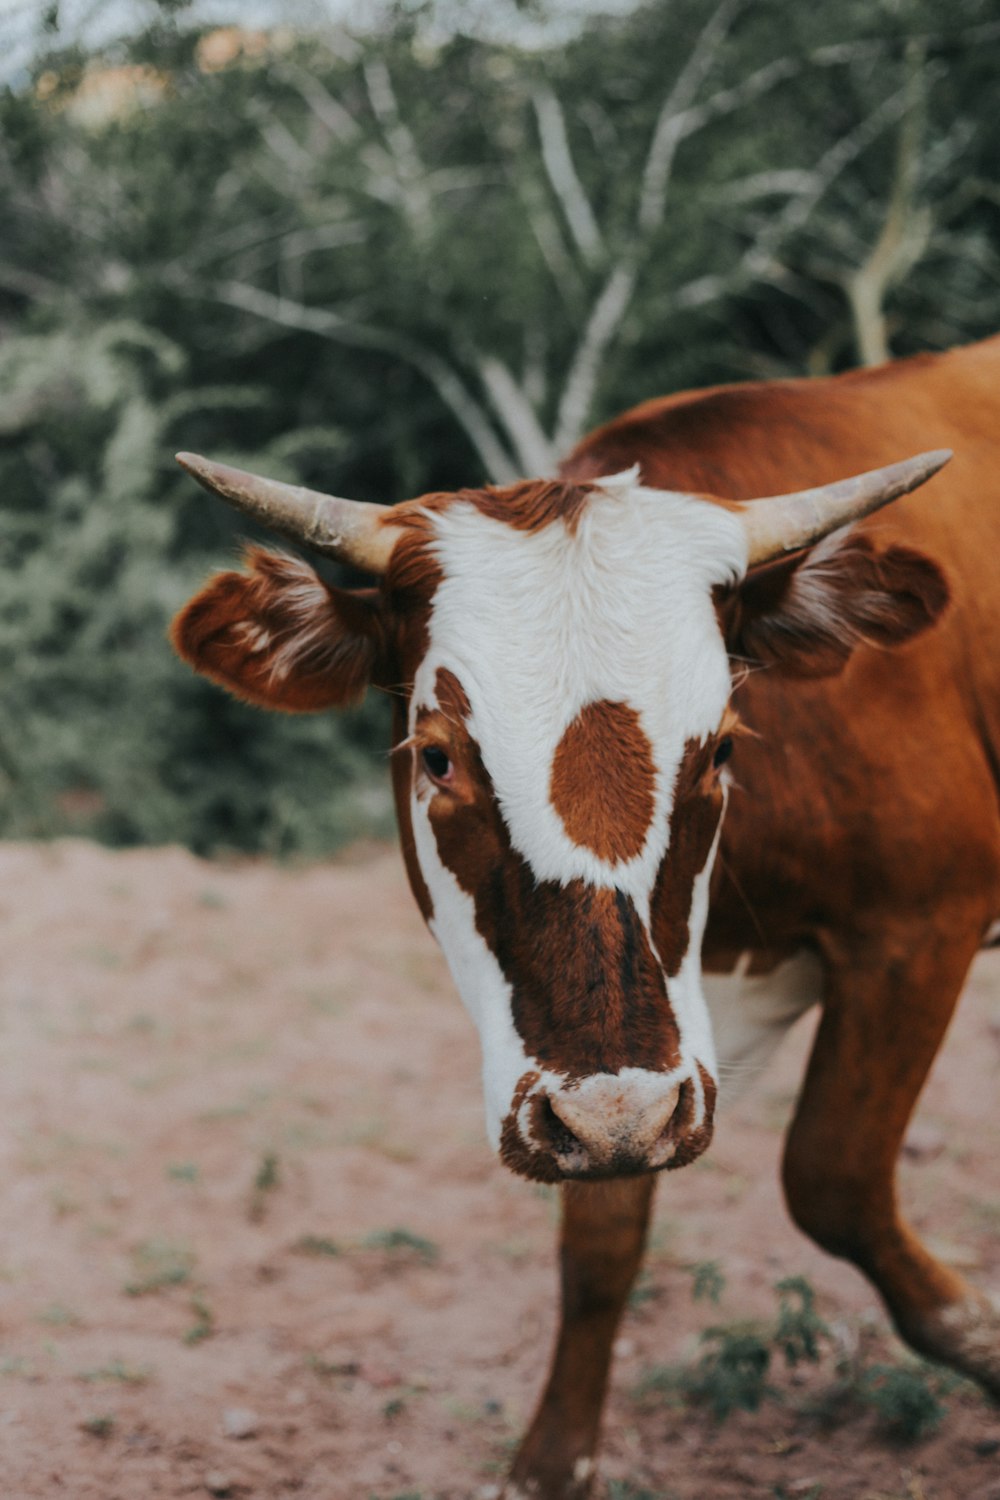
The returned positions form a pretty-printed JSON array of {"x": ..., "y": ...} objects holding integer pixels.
[
  {"x": 750, "y": 1013},
  {"x": 536, "y": 625}
]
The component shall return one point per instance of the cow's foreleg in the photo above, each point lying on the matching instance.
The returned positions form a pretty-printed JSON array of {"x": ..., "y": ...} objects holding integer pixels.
[
  {"x": 603, "y": 1237},
  {"x": 886, "y": 1012}
]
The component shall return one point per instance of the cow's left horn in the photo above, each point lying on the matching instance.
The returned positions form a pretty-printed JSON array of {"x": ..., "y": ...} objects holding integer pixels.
[
  {"x": 777, "y": 524},
  {"x": 353, "y": 531}
]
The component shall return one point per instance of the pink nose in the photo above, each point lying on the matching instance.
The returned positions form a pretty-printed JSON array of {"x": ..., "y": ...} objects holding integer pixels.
[{"x": 605, "y": 1126}]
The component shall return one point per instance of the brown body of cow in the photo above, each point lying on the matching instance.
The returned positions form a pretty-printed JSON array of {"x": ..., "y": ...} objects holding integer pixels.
[{"x": 863, "y": 830}]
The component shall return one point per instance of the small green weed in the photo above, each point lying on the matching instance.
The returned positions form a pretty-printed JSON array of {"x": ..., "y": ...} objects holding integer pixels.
[
  {"x": 204, "y": 1325},
  {"x": 624, "y": 1489},
  {"x": 266, "y": 1179},
  {"x": 118, "y": 1370},
  {"x": 707, "y": 1281},
  {"x": 732, "y": 1372},
  {"x": 905, "y": 1399},
  {"x": 183, "y": 1171},
  {"x": 799, "y": 1330},
  {"x": 159, "y": 1264},
  {"x": 645, "y": 1290},
  {"x": 59, "y": 1316},
  {"x": 100, "y": 1427},
  {"x": 316, "y": 1244},
  {"x": 404, "y": 1241}
]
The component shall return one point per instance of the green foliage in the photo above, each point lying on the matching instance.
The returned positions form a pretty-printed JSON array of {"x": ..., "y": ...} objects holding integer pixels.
[
  {"x": 905, "y": 1398},
  {"x": 799, "y": 1329},
  {"x": 366, "y": 267},
  {"x": 732, "y": 1372},
  {"x": 159, "y": 1264},
  {"x": 316, "y": 1244},
  {"x": 402, "y": 1241},
  {"x": 707, "y": 1281}
]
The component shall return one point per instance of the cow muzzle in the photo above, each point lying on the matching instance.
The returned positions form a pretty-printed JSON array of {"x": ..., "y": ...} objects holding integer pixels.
[{"x": 608, "y": 1125}]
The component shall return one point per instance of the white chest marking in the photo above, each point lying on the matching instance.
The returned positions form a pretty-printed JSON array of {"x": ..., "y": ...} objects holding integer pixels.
[{"x": 751, "y": 1013}]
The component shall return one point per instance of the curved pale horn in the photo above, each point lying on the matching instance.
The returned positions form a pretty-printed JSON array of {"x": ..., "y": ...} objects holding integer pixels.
[
  {"x": 778, "y": 524},
  {"x": 352, "y": 531}
]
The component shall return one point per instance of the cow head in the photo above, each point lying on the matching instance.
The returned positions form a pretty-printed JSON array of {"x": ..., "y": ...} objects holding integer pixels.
[{"x": 561, "y": 657}]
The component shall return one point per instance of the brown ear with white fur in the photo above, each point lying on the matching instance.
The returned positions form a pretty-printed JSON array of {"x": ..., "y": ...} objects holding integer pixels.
[
  {"x": 805, "y": 615},
  {"x": 279, "y": 637}
]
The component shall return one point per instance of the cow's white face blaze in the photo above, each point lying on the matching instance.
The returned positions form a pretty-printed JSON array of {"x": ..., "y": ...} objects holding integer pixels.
[{"x": 576, "y": 678}]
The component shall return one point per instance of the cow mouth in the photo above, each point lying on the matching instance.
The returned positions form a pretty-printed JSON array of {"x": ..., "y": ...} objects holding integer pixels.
[{"x": 537, "y": 1143}]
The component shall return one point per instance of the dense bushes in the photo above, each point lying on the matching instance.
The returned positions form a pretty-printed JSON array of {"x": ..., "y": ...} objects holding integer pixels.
[{"x": 396, "y": 262}]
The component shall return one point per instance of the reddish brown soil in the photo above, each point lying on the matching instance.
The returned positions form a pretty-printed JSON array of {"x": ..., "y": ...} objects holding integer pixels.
[{"x": 205, "y": 1066}]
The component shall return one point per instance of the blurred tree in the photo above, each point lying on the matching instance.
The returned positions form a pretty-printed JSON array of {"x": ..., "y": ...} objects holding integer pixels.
[{"x": 406, "y": 260}]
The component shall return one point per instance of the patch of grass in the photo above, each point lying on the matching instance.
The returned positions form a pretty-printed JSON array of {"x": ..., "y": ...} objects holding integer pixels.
[
  {"x": 644, "y": 1290},
  {"x": 99, "y": 1426},
  {"x": 402, "y": 1241},
  {"x": 183, "y": 1171},
  {"x": 159, "y": 1264},
  {"x": 266, "y": 1180},
  {"x": 204, "y": 1325},
  {"x": 624, "y": 1489},
  {"x": 326, "y": 1367},
  {"x": 906, "y": 1399},
  {"x": 707, "y": 1281},
  {"x": 799, "y": 1330},
  {"x": 59, "y": 1316},
  {"x": 732, "y": 1373},
  {"x": 117, "y": 1370},
  {"x": 316, "y": 1244}
]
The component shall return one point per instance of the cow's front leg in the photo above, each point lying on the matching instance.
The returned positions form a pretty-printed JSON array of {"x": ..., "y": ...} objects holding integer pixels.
[
  {"x": 887, "y": 1007},
  {"x": 603, "y": 1237}
]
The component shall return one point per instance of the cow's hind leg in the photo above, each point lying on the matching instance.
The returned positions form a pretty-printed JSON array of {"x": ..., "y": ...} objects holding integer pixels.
[
  {"x": 887, "y": 1008},
  {"x": 603, "y": 1237}
]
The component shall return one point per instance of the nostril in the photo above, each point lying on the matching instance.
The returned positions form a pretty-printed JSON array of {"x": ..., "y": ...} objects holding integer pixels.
[{"x": 552, "y": 1130}]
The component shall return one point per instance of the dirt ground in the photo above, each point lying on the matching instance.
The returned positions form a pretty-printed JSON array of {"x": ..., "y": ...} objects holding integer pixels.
[{"x": 254, "y": 1244}]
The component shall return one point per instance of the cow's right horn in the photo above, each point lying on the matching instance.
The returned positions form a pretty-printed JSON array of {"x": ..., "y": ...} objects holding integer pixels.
[
  {"x": 778, "y": 524},
  {"x": 352, "y": 531}
]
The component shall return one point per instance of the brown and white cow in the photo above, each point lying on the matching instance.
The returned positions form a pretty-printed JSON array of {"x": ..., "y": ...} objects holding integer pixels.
[{"x": 564, "y": 656}]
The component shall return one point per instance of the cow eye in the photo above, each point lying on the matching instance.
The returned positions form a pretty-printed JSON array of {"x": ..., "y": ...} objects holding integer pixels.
[
  {"x": 436, "y": 763},
  {"x": 723, "y": 751}
]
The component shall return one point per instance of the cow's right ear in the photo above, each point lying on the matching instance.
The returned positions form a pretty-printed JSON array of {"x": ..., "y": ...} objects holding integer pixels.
[{"x": 279, "y": 637}]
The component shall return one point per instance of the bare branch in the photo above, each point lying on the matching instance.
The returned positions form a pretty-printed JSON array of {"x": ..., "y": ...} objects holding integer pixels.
[
  {"x": 497, "y": 462},
  {"x": 604, "y": 321},
  {"x": 669, "y": 128},
  {"x": 759, "y": 260},
  {"x": 340, "y": 124},
  {"x": 563, "y": 176},
  {"x": 905, "y": 230},
  {"x": 534, "y": 450},
  {"x": 410, "y": 171}
]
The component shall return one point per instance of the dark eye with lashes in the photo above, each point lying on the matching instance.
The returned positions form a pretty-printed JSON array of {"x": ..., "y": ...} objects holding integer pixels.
[
  {"x": 436, "y": 763},
  {"x": 723, "y": 751}
]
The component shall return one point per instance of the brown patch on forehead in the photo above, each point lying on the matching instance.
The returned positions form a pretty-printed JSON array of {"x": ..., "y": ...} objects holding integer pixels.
[
  {"x": 451, "y": 695},
  {"x": 603, "y": 781},
  {"x": 529, "y": 505},
  {"x": 588, "y": 994},
  {"x": 694, "y": 818}
]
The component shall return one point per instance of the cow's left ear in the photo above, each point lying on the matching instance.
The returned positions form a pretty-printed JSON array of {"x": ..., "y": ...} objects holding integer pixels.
[{"x": 805, "y": 615}]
